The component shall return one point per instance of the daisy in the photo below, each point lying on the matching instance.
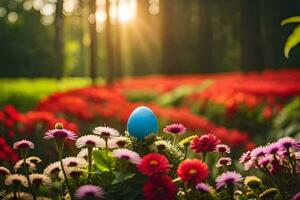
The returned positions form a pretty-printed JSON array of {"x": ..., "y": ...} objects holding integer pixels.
[
  {"x": 89, "y": 141},
  {"x": 204, "y": 143},
  {"x": 296, "y": 196},
  {"x": 60, "y": 133},
  {"x": 154, "y": 164},
  {"x": 273, "y": 148},
  {"x": 245, "y": 157},
  {"x": 52, "y": 169},
  {"x": 74, "y": 162},
  {"x": 4, "y": 171},
  {"x": 40, "y": 179},
  {"x": 162, "y": 145},
  {"x": 160, "y": 188},
  {"x": 175, "y": 129},
  {"x": 222, "y": 148},
  {"x": 202, "y": 187},
  {"x": 253, "y": 182},
  {"x": 83, "y": 153},
  {"x": 31, "y": 166},
  {"x": 71, "y": 172},
  {"x": 226, "y": 178},
  {"x": 264, "y": 161},
  {"x": 258, "y": 152},
  {"x": 269, "y": 193},
  {"x": 192, "y": 170},
  {"x": 184, "y": 143},
  {"x": 106, "y": 132},
  {"x": 89, "y": 191},
  {"x": 119, "y": 142},
  {"x": 34, "y": 159},
  {"x": 23, "y": 144},
  {"x": 21, "y": 196},
  {"x": 224, "y": 161},
  {"x": 127, "y": 154},
  {"x": 288, "y": 142},
  {"x": 16, "y": 179}
]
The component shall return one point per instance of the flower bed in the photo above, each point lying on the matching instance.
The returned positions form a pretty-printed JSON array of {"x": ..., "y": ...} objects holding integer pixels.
[{"x": 116, "y": 166}]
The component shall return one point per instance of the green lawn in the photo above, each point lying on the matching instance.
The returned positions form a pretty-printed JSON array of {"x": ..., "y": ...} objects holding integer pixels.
[{"x": 24, "y": 93}]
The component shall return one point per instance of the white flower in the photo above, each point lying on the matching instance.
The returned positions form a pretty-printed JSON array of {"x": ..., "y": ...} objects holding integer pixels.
[
  {"x": 74, "y": 162},
  {"x": 20, "y": 164},
  {"x": 71, "y": 172},
  {"x": 127, "y": 154},
  {"x": 4, "y": 171},
  {"x": 34, "y": 159},
  {"x": 106, "y": 132},
  {"x": 118, "y": 142},
  {"x": 40, "y": 179},
  {"x": 16, "y": 179},
  {"x": 89, "y": 141},
  {"x": 52, "y": 168}
]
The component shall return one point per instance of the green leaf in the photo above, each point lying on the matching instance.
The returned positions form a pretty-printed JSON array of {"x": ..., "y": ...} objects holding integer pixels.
[
  {"x": 295, "y": 19},
  {"x": 292, "y": 41},
  {"x": 120, "y": 177},
  {"x": 103, "y": 162}
]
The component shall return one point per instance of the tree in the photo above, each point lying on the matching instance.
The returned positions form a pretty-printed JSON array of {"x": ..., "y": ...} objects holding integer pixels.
[
  {"x": 93, "y": 45},
  {"x": 251, "y": 36},
  {"x": 59, "y": 38},
  {"x": 109, "y": 45}
]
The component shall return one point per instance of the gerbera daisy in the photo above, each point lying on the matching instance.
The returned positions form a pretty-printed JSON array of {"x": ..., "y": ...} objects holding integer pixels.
[
  {"x": 252, "y": 182},
  {"x": 4, "y": 171},
  {"x": 264, "y": 161},
  {"x": 20, "y": 164},
  {"x": 127, "y": 154},
  {"x": 204, "y": 143},
  {"x": 192, "y": 170},
  {"x": 119, "y": 142},
  {"x": 222, "y": 148},
  {"x": 34, "y": 159},
  {"x": 224, "y": 161},
  {"x": 23, "y": 144},
  {"x": 154, "y": 164},
  {"x": 89, "y": 141},
  {"x": 83, "y": 153},
  {"x": 40, "y": 179},
  {"x": 175, "y": 129},
  {"x": 71, "y": 173},
  {"x": 52, "y": 169},
  {"x": 245, "y": 157},
  {"x": 288, "y": 142},
  {"x": 273, "y": 148},
  {"x": 160, "y": 188},
  {"x": 89, "y": 191},
  {"x": 226, "y": 178},
  {"x": 106, "y": 132},
  {"x": 202, "y": 187},
  {"x": 74, "y": 162},
  {"x": 161, "y": 145},
  {"x": 258, "y": 152},
  {"x": 186, "y": 141},
  {"x": 60, "y": 133},
  {"x": 16, "y": 179}
]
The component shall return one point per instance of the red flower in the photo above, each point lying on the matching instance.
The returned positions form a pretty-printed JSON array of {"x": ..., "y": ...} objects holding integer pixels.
[
  {"x": 205, "y": 143},
  {"x": 192, "y": 170},
  {"x": 154, "y": 164},
  {"x": 160, "y": 188}
]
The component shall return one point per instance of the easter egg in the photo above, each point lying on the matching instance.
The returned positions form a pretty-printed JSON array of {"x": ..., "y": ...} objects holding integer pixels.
[{"x": 142, "y": 122}]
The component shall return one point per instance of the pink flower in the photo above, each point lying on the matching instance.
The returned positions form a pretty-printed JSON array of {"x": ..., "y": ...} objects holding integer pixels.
[
  {"x": 23, "y": 144},
  {"x": 60, "y": 133},
  {"x": 175, "y": 129}
]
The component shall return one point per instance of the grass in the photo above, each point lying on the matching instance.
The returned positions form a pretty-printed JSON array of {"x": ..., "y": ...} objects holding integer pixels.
[{"x": 25, "y": 93}]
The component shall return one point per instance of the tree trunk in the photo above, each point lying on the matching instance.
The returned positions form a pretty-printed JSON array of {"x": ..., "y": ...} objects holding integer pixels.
[
  {"x": 169, "y": 48},
  {"x": 205, "y": 36},
  {"x": 118, "y": 51},
  {"x": 251, "y": 37},
  {"x": 81, "y": 34},
  {"x": 93, "y": 45},
  {"x": 59, "y": 39},
  {"x": 109, "y": 45}
]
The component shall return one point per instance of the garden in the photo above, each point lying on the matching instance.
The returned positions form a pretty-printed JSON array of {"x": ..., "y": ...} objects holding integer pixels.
[{"x": 122, "y": 99}]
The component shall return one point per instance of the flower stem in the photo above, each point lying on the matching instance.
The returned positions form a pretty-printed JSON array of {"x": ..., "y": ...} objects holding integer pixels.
[
  {"x": 27, "y": 177},
  {"x": 175, "y": 139},
  {"x": 59, "y": 151},
  {"x": 185, "y": 153},
  {"x": 204, "y": 155},
  {"x": 90, "y": 149}
]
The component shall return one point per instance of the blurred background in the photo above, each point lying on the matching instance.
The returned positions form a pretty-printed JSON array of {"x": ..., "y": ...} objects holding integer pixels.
[
  {"x": 227, "y": 67},
  {"x": 56, "y": 38}
]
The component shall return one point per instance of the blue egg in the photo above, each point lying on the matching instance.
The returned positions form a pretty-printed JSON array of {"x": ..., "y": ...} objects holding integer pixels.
[{"x": 142, "y": 122}]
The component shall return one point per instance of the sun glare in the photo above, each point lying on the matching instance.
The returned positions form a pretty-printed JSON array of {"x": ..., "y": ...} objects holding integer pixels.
[{"x": 124, "y": 12}]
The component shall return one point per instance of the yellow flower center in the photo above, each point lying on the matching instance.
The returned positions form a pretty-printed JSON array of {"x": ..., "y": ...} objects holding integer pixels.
[
  {"x": 193, "y": 171},
  {"x": 153, "y": 163}
]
